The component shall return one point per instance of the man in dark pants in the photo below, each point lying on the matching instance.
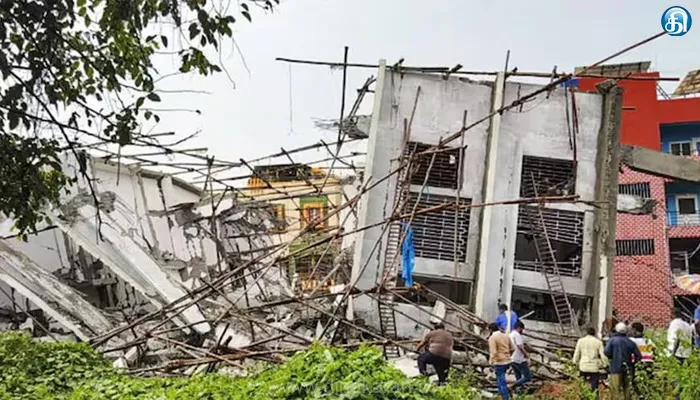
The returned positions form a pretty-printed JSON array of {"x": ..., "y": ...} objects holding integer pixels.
[
  {"x": 590, "y": 358},
  {"x": 520, "y": 366},
  {"x": 622, "y": 352},
  {"x": 439, "y": 345}
]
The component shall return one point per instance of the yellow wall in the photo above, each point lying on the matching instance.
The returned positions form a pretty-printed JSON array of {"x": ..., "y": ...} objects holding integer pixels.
[{"x": 258, "y": 190}]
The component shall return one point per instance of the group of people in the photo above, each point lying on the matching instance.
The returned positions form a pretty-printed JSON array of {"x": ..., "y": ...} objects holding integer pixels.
[
  {"x": 628, "y": 351},
  {"x": 625, "y": 352},
  {"x": 507, "y": 350}
]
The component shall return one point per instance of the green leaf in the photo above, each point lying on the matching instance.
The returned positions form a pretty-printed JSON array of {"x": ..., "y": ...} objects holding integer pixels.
[
  {"x": 246, "y": 14},
  {"x": 194, "y": 30},
  {"x": 139, "y": 102},
  {"x": 14, "y": 120},
  {"x": 164, "y": 40},
  {"x": 153, "y": 97},
  {"x": 89, "y": 71}
]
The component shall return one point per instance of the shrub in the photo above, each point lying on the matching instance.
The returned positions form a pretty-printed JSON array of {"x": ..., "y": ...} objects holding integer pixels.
[{"x": 68, "y": 371}]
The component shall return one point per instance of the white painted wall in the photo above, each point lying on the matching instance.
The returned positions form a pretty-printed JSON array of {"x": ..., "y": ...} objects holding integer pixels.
[
  {"x": 539, "y": 129},
  {"x": 138, "y": 195},
  {"x": 439, "y": 112}
]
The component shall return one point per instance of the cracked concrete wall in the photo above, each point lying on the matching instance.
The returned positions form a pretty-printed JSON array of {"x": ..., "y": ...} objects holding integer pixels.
[{"x": 133, "y": 204}]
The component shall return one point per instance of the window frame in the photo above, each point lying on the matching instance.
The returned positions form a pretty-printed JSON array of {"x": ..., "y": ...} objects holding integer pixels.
[
  {"x": 305, "y": 214},
  {"x": 686, "y": 219},
  {"x": 619, "y": 242},
  {"x": 680, "y": 197},
  {"x": 680, "y": 144},
  {"x": 279, "y": 210},
  {"x": 644, "y": 187}
]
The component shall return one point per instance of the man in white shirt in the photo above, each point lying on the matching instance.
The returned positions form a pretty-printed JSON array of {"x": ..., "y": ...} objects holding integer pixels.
[
  {"x": 519, "y": 358},
  {"x": 679, "y": 331}
]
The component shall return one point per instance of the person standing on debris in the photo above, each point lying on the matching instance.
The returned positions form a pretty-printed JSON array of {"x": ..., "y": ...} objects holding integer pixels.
[
  {"x": 622, "y": 352},
  {"x": 590, "y": 358},
  {"x": 506, "y": 320},
  {"x": 678, "y": 332},
  {"x": 500, "y": 350},
  {"x": 519, "y": 359},
  {"x": 439, "y": 345}
]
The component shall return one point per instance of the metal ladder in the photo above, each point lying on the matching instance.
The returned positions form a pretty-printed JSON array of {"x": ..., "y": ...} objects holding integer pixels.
[
  {"x": 387, "y": 317},
  {"x": 548, "y": 264},
  {"x": 392, "y": 260}
]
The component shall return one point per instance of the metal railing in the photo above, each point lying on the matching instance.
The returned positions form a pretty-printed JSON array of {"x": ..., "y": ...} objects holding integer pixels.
[
  {"x": 566, "y": 268},
  {"x": 674, "y": 218}
]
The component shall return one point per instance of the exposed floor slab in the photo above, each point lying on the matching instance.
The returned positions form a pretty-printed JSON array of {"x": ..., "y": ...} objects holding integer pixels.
[
  {"x": 660, "y": 164},
  {"x": 128, "y": 260},
  {"x": 55, "y": 298}
]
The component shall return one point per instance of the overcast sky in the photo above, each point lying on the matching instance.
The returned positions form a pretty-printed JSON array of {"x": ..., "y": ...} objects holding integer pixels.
[{"x": 256, "y": 117}]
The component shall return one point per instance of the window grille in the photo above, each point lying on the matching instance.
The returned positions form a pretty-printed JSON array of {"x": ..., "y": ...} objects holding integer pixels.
[
  {"x": 434, "y": 231},
  {"x": 445, "y": 170},
  {"x": 634, "y": 247},
  {"x": 641, "y": 189},
  {"x": 543, "y": 176}
]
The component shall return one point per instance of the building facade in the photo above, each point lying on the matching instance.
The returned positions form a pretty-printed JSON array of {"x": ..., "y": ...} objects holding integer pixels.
[
  {"x": 301, "y": 195},
  {"x": 482, "y": 256},
  {"x": 653, "y": 249}
]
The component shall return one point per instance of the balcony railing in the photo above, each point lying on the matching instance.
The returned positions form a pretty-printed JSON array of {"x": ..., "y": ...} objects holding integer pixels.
[
  {"x": 566, "y": 268},
  {"x": 675, "y": 218}
]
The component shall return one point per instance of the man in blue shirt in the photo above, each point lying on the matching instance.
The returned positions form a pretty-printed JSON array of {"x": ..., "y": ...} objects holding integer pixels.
[
  {"x": 622, "y": 353},
  {"x": 506, "y": 320}
]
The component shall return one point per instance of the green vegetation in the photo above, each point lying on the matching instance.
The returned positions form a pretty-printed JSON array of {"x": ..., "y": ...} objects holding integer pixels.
[
  {"x": 31, "y": 370},
  {"x": 42, "y": 371},
  {"x": 667, "y": 379}
]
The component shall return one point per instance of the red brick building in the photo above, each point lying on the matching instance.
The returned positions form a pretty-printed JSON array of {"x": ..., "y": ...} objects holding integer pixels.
[{"x": 653, "y": 248}]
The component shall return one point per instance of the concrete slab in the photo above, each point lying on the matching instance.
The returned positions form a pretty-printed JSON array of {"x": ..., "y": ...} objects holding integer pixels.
[
  {"x": 628, "y": 204},
  {"x": 660, "y": 164},
  {"x": 128, "y": 260},
  {"x": 57, "y": 299}
]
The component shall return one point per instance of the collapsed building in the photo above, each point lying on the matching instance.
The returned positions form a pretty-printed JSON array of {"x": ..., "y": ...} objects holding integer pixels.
[
  {"x": 126, "y": 245},
  {"x": 509, "y": 190}
]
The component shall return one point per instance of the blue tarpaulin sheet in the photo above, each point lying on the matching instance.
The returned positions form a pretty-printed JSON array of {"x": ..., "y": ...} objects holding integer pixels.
[
  {"x": 571, "y": 82},
  {"x": 408, "y": 256}
]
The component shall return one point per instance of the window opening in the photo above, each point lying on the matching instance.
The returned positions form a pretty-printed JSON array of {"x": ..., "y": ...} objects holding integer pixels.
[
  {"x": 552, "y": 177},
  {"x": 634, "y": 247},
  {"x": 445, "y": 170}
]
